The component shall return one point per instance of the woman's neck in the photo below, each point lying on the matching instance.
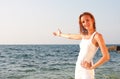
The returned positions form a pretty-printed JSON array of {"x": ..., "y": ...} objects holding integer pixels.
[{"x": 90, "y": 32}]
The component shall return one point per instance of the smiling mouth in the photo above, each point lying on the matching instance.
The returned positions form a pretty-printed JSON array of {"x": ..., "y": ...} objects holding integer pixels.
[{"x": 86, "y": 26}]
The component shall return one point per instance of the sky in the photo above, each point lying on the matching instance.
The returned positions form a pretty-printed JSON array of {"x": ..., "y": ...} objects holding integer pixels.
[{"x": 34, "y": 21}]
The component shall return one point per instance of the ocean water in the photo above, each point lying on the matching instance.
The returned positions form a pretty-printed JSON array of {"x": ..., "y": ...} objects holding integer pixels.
[{"x": 49, "y": 62}]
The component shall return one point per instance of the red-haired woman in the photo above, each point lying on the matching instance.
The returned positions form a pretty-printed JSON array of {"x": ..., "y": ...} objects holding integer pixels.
[{"x": 91, "y": 40}]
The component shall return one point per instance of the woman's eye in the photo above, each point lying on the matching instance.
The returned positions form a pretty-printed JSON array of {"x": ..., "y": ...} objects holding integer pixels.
[{"x": 83, "y": 22}]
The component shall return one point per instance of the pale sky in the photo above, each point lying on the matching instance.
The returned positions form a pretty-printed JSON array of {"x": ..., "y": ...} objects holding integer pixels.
[{"x": 33, "y": 21}]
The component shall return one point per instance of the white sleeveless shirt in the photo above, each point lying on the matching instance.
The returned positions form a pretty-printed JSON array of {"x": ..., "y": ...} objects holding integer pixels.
[{"x": 87, "y": 49}]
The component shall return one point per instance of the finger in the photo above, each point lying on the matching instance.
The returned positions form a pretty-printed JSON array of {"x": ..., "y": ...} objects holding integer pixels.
[
  {"x": 54, "y": 33},
  {"x": 59, "y": 30}
]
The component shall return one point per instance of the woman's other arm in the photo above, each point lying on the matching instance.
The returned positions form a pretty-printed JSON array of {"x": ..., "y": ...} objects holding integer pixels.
[
  {"x": 69, "y": 36},
  {"x": 105, "y": 54}
]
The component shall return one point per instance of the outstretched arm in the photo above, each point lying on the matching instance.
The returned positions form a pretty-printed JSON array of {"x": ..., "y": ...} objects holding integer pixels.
[{"x": 69, "y": 36}]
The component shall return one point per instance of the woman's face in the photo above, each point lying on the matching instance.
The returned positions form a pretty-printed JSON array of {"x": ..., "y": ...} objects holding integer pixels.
[{"x": 87, "y": 22}]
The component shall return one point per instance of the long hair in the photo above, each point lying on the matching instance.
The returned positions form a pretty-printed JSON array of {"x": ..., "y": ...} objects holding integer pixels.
[{"x": 82, "y": 29}]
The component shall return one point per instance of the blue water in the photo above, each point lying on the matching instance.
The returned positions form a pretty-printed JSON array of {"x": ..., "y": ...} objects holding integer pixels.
[{"x": 49, "y": 62}]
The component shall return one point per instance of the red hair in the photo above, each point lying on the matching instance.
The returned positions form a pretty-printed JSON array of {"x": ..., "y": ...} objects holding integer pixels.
[{"x": 82, "y": 29}]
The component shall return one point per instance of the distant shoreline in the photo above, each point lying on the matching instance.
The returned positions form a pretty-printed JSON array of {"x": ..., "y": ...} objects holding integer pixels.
[{"x": 58, "y": 44}]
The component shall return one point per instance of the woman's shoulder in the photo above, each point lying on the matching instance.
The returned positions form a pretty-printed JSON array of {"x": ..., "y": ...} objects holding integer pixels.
[{"x": 98, "y": 35}]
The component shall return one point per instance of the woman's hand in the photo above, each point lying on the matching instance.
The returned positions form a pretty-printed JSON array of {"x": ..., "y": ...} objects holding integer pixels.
[
  {"x": 58, "y": 33},
  {"x": 68, "y": 36},
  {"x": 86, "y": 65}
]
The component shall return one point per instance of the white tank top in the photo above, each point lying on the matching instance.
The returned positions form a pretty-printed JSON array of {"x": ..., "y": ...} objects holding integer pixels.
[{"x": 87, "y": 49}]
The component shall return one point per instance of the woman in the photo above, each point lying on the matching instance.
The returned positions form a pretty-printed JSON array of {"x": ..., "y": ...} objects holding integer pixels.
[{"x": 90, "y": 42}]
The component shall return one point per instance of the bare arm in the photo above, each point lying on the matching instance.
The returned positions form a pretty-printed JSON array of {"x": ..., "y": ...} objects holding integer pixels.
[
  {"x": 105, "y": 54},
  {"x": 69, "y": 36}
]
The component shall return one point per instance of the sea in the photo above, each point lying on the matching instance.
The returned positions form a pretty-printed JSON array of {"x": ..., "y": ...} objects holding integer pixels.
[{"x": 50, "y": 62}]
